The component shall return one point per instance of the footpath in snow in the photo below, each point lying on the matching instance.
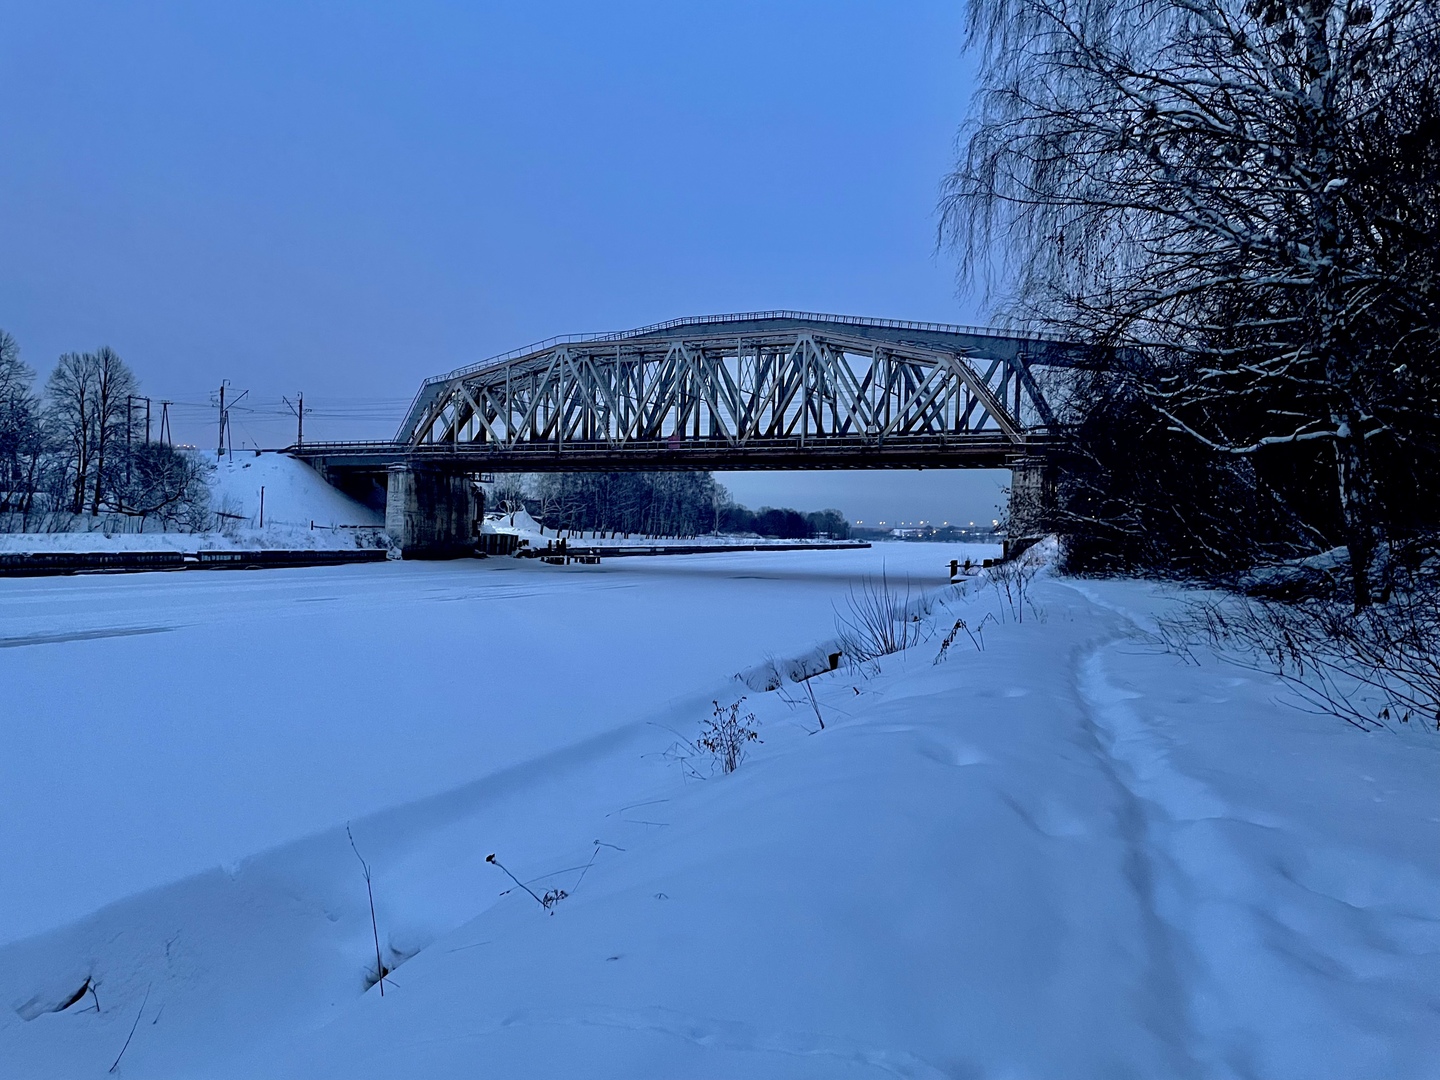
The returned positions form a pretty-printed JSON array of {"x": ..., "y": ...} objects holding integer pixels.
[{"x": 1059, "y": 852}]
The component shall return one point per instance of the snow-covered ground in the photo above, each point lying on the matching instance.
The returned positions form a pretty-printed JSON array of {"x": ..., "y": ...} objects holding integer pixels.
[
  {"x": 302, "y": 511},
  {"x": 296, "y": 496},
  {"x": 1067, "y": 854}
]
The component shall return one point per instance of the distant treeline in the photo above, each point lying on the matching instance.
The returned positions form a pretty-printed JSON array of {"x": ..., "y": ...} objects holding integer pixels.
[
  {"x": 656, "y": 503},
  {"x": 784, "y": 524},
  {"x": 80, "y": 447}
]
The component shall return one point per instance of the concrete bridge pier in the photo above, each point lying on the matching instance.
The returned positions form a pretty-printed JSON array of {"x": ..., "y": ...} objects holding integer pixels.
[
  {"x": 432, "y": 514},
  {"x": 1033, "y": 501}
]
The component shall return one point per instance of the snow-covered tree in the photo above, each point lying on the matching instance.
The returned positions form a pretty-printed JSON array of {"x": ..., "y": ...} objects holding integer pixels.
[{"x": 1244, "y": 193}]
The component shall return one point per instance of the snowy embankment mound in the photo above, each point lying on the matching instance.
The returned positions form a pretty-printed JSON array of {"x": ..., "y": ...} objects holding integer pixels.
[
  {"x": 1049, "y": 849},
  {"x": 296, "y": 496},
  {"x": 301, "y": 511}
]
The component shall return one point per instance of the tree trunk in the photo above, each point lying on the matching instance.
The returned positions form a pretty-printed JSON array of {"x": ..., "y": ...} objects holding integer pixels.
[
  {"x": 1357, "y": 505},
  {"x": 82, "y": 443},
  {"x": 99, "y": 472},
  {"x": 102, "y": 432},
  {"x": 82, "y": 468}
]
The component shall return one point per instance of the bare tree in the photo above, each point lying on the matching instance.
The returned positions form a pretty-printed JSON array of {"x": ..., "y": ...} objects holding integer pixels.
[
  {"x": 508, "y": 492},
  {"x": 87, "y": 408},
  {"x": 21, "y": 445},
  {"x": 170, "y": 485},
  {"x": 652, "y": 502},
  {"x": 70, "y": 394},
  {"x": 1244, "y": 194},
  {"x": 15, "y": 376},
  {"x": 115, "y": 385}
]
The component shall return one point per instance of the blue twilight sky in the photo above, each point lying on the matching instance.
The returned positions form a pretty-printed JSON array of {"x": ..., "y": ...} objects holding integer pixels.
[{"x": 343, "y": 198}]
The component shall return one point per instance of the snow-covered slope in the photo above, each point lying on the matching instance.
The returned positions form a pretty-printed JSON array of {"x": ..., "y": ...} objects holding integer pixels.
[
  {"x": 295, "y": 494},
  {"x": 144, "y": 712},
  {"x": 1064, "y": 853},
  {"x": 302, "y": 511}
]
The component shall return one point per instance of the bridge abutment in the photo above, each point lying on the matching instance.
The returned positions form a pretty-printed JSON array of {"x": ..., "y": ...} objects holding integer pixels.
[
  {"x": 431, "y": 514},
  {"x": 1033, "y": 501}
]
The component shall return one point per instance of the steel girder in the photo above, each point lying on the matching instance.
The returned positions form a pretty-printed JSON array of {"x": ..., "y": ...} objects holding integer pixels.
[{"x": 801, "y": 388}]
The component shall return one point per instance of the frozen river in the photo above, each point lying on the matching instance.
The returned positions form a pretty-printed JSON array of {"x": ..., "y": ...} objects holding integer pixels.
[{"x": 156, "y": 725}]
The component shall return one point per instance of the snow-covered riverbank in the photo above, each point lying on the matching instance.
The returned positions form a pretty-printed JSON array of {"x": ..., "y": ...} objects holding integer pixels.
[
  {"x": 300, "y": 512},
  {"x": 1064, "y": 854}
]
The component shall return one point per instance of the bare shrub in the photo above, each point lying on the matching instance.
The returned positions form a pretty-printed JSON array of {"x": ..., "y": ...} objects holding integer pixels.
[
  {"x": 811, "y": 700},
  {"x": 116, "y": 1064},
  {"x": 381, "y": 971},
  {"x": 227, "y": 518},
  {"x": 768, "y": 676},
  {"x": 1370, "y": 668},
  {"x": 1011, "y": 581},
  {"x": 810, "y": 690},
  {"x": 726, "y": 735},
  {"x": 976, "y": 636},
  {"x": 879, "y": 620},
  {"x": 548, "y": 899}
]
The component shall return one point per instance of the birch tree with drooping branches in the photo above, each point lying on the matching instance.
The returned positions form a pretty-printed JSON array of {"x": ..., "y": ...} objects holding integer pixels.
[{"x": 1241, "y": 192}]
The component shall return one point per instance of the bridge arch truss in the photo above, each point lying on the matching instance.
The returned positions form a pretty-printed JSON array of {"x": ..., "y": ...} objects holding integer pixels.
[{"x": 765, "y": 390}]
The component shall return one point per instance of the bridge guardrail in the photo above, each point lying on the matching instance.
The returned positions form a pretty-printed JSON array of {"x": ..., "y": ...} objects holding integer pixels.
[
  {"x": 1039, "y": 442},
  {"x": 747, "y": 316}
]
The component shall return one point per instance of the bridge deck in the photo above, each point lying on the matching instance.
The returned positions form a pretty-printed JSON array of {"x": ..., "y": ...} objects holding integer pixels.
[{"x": 830, "y": 453}]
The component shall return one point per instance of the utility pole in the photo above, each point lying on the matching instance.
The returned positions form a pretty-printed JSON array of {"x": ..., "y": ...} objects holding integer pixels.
[
  {"x": 225, "y": 414},
  {"x": 147, "y": 419},
  {"x": 299, "y": 410},
  {"x": 165, "y": 423},
  {"x": 129, "y": 432}
]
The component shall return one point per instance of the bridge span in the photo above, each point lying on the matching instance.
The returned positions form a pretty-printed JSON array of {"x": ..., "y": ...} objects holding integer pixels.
[{"x": 764, "y": 390}]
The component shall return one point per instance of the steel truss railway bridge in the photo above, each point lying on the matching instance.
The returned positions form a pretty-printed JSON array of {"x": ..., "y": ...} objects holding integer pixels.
[{"x": 765, "y": 390}]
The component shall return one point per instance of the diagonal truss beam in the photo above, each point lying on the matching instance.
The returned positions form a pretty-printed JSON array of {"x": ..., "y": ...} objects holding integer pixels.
[{"x": 735, "y": 389}]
